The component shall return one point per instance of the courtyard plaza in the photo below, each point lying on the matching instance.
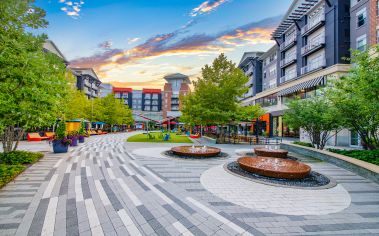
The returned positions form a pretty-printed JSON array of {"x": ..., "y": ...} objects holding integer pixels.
[{"x": 108, "y": 186}]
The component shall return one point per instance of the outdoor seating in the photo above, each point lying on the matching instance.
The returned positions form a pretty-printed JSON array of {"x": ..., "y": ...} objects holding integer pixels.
[
  {"x": 92, "y": 132},
  {"x": 49, "y": 134},
  {"x": 100, "y": 132},
  {"x": 166, "y": 137},
  {"x": 35, "y": 137},
  {"x": 197, "y": 135}
]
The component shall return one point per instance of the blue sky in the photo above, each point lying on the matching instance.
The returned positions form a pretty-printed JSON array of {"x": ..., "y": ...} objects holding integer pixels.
[{"x": 134, "y": 43}]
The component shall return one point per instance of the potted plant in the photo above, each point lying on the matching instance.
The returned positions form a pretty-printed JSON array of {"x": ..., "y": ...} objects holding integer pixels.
[
  {"x": 81, "y": 132},
  {"x": 60, "y": 141},
  {"x": 73, "y": 135}
]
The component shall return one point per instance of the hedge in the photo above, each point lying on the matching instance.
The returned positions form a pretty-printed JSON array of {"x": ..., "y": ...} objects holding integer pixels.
[
  {"x": 371, "y": 156},
  {"x": 9, "y": 172}
]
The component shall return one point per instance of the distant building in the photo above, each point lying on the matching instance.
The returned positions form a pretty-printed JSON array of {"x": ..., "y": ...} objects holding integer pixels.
[
  {"x": 176, "y": 85},
  {"x": 146, "y": 104},
  {"x": 252, "y": 67},
  {"x": 87, "y": 81},
  {"x": 105, "y": 89}
]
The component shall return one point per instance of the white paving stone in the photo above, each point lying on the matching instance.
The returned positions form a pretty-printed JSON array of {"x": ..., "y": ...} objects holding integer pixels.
[
  {"x": 151, "y": 152},
  {"x": 274, "y": 199}
]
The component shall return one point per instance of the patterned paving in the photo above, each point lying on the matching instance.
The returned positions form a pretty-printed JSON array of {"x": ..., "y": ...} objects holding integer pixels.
[{"x": 110, "y": 187}]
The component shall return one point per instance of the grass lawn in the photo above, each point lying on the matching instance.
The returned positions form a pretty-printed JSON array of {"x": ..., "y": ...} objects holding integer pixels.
[{"x": 174, "y": 138}]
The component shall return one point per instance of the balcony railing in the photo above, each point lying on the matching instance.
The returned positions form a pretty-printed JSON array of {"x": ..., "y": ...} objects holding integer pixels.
[
  {"x": 287, "y": 77},
  {"x": 313, "y": 46},
  {"x": 288, "y": 42},
  {"x": 313, "y": 66},
  {"x": 314, "y": 23},
  {"x": 288, "y": 60}
]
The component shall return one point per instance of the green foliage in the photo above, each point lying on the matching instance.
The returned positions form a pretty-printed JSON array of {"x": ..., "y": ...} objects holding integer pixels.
[
  {"x": 77, "y": 105},
  {"x": 159, "y": 138},
  {"x": 9, "y": 172},
  {"x": 371, "y": 156},
  {"x": 82, "y": 130},
  {"x": 316, "y": 116},
  {"x": 20, "y": 157},
  {"x": 61, "y": 130},
  {"x": 305, "y": 144},
  {"x": 32, "y": 82},
  {"x": 215, "y": 96},
  {"x": 112, "y": 111},
  {"x": 356, "y": 97}
]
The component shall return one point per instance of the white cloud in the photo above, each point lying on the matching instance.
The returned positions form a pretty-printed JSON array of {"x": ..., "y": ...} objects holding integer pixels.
[
  {"x": 72, "y": 8},
  {"x": 133, "y": 40}
]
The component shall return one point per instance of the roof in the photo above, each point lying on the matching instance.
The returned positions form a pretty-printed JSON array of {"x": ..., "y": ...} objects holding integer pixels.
[
  {"x": 297, "y": 10},
  {"x": 248, "y": 56},
  {"x": 151, "y": 90},
  {"x": 269, "y": 52},
  {"x": 51, "y": 47},
  {"x": 115, "y": 90},
  {"x": 177, "y": 76},
  {"x": 85, "y": 71}
]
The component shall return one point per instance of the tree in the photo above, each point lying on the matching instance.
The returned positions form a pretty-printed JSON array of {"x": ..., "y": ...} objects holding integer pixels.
[
  {"x": 316, "y": 116},
  {"x": 112, "y": 111},
  {"x": 215, "y": 96},
  {"x": 356, "y": 96},
  {"x": 32, "y": 82},
  {"x": 77, "y": 105}
]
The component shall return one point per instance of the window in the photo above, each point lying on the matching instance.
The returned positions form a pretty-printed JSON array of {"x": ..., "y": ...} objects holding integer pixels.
[
  {"x": 361, "y": 43},
  {"x": 361, "y": 17}
]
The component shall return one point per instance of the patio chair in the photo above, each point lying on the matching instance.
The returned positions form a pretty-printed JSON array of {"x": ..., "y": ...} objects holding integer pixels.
[
  {"x": 49, "y": 134},
  {"x": 35, "y": 137}
]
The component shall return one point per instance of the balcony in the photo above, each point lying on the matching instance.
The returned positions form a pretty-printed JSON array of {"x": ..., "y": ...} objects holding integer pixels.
[
  {"x": 288, "y": 77},
  {"x": 288, "y": 43},
  {"x": 288, "y": 61},
  {"x": 249, "y": 71},
  {"x": 314, "y": 24},
  {"x": 313, "y": 46},
  {"x": 318, "y": 64}
]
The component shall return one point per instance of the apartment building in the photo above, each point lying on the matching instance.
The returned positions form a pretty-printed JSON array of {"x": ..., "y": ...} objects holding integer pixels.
[
  {"x": 251, "y": 65},
  {"x": 87, "y": 81},
  {"x": 312, "y": 41},
  {"x": 146, "y": 104},
  {"x": 176, "y": 85}
]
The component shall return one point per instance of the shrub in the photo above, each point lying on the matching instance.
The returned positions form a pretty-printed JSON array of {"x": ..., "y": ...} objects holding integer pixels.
[
  {"x": 371, "y": 156},
  {"x": 9, "y": 172},
  {"x": 20, "y": 157},
  {"x": 305, "y": 144}
]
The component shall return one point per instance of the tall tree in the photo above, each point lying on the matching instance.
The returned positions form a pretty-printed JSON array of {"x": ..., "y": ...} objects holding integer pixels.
[
  {"x": 32, "y": 82},
  {"x": 77, "y": 105},
  {"x": 215, "y": 96},
  {"x": 356, "y": 96},
  {"x": 316, "y": 116},
  {"x": 112, "y": 111}
]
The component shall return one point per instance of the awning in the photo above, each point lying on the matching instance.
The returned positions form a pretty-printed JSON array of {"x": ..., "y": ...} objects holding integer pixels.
[{"x": 308, "y": 84}]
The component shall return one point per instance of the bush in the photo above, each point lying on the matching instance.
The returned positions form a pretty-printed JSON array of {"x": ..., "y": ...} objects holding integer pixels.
[
  {"x": 20, "y": 157},
  {"x": 371, "y": 156},
  {"x": 9, "y": 172},
  {"x": 305, "y": 144}
]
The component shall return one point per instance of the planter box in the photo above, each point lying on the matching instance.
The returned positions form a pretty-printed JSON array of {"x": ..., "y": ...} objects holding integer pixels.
[
  {"x": 58, "y": 147},
  {"x": 74, "y": 141},
  {"x": 81, "y": 139}
]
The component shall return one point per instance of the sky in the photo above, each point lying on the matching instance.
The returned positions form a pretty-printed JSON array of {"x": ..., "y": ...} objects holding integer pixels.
[{"x": 134, "y": 43}]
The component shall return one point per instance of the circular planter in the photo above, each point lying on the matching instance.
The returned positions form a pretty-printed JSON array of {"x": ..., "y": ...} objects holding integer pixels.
[
  {"x": 81, "y": 139},
  {"x": 58, "y": 147},
  {"x": 274, "y": 167}
]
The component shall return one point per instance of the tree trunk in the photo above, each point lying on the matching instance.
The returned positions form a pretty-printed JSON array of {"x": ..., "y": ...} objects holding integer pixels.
[{"x": 8, "y": 139}]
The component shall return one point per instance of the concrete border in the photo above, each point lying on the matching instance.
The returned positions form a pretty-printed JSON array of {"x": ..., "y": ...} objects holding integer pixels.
[{"x": 362, "y": 168}]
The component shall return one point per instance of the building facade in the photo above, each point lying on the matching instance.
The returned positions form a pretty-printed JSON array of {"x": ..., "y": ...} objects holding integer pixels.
[
  {"x": 105, "y": 89},
  {"x": 176, "y": 86},
  {"x": 312, "y": 41},
  {"x": 251, "y": 65},
  {"x": 87, "y": 81},
  {"x": 146, "y": 104}
]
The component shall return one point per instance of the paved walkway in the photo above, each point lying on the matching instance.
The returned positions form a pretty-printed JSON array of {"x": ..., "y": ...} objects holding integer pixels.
[{"x": 110, "y": 187}]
